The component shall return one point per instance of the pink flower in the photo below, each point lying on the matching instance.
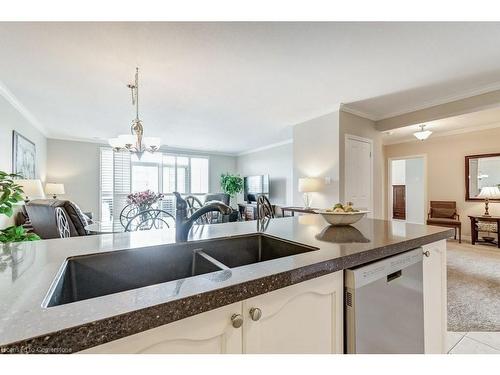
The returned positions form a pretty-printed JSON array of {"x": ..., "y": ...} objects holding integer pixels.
[{"x": 142, "y": 198}]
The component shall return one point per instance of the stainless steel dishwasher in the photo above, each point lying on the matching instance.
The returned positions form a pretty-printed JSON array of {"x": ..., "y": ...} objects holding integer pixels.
[{"x": 384, "y": 307}]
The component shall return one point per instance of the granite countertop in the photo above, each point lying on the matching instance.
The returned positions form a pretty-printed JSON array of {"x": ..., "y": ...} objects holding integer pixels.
[{"x": 26, "y": 276}]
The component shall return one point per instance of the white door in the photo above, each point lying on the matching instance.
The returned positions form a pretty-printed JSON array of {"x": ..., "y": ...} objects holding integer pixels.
[
  {"x": 358, "y": 172},
  {"x": 211, "y": 332},
  {"x": 302, "y": 318},
  {"x": 435, "y": 297}
]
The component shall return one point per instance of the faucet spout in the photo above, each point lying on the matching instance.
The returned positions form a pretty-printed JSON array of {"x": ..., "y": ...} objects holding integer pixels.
[{"x": 183, "y": 223}]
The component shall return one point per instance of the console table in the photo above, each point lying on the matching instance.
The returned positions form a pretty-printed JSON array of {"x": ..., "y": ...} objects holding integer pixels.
[
  {"x": 301, "y": 210},
  {"x": 475, "y": 232}
]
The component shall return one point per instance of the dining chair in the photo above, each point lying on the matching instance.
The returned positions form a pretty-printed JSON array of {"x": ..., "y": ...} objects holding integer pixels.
[
  {"x": 62, "y": 223},
  {"x": 150, "y": 219},
  {"x": 264, "y": 207}
]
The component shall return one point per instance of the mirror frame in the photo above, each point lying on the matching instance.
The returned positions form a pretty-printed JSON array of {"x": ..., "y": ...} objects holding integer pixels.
[{"x": 467, "y": 193}]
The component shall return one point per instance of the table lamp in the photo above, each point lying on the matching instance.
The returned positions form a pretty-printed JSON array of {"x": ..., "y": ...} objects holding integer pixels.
[
  {"x": 54, "y": 189},
  {"x": 487, "y": 193},
  {"x": 32, "y": 189},
  {"x": 308, "y": 185}
]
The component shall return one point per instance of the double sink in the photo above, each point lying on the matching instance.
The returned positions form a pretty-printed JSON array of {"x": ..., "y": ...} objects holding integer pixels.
[{"x": 96, "y": 275}]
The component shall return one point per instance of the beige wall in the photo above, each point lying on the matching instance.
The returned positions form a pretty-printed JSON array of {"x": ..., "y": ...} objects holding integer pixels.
[
  {"x": 446, "y": 168},
  {"x": 277, "y": 162},
  {"x": 316, "y": 154},
  {"x": 362, "y": 127},
  {"x": 11, "y": 120},
  {"x": 76, "y": 165}
]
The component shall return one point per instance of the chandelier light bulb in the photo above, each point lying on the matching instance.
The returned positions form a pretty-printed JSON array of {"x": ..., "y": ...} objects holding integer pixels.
[{"x": 422, "y": 134}]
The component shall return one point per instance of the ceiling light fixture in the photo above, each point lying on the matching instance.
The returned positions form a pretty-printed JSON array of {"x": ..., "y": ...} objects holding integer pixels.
[
  {"x": 135, "y": 142},
  {"x": 422, "y": 134}
]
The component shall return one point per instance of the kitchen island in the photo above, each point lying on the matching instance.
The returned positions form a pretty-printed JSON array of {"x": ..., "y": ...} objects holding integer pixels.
[{"x": 207, "y": 312}]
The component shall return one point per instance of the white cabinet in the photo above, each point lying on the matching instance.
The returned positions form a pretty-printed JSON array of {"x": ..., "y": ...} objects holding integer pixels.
[
  {"x": 435, "y": 297},
  {"x": 302, "y": 318},
  {"x": 209, "y": 332}
]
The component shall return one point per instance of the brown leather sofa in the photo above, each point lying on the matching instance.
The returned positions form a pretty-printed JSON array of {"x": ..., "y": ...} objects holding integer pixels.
[
  {"x": 444, "y": 214},
  {"x": 41, "y": 215}
]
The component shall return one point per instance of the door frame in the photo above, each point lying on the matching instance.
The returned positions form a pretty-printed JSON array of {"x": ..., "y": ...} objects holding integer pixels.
[
  {"x": 389, "y": 182},
  {"x": 348, "y": 137}
]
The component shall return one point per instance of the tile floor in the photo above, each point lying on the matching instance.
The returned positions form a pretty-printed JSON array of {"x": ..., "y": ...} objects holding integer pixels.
[{"x": 473, "y": 342}]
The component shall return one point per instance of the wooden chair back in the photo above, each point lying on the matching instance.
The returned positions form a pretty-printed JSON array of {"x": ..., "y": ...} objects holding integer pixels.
[{"x": 443, "y": 204}]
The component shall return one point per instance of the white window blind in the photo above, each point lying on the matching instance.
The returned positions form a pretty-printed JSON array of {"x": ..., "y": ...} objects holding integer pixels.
[
  {"x": 123, "y": 173},
  {"x": 122, "y": 182},
  {"x": 106, "y": 188}
]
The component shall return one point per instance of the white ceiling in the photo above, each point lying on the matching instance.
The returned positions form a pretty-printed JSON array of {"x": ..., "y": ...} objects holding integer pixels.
[
  {"x": 231, "y": 87},
  {"x": 480, "y": 120}
]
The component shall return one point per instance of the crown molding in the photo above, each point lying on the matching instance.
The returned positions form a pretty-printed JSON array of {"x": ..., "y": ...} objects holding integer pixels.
[
  {"x": 104, "y": 142},
  {"x": 443, "y": 100},
  {"x": 446, "y": 133},
  {"x": 352, "y": 111},
  {"x": 272, "y": 145},
  {"x": 19, "y": 107}
]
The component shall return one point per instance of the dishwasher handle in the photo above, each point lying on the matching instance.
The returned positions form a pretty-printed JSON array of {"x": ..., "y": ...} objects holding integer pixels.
[{"x": 394, "y": 276}]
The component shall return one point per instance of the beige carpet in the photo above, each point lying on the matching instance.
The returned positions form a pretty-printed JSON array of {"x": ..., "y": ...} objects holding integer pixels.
[{"x": 473, "y": 287}]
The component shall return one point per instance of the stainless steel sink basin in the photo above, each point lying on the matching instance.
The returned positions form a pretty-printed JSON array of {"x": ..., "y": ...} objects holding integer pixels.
[
  {"x": 90, "y": 276},
  {"x": 241, "y": 251}
]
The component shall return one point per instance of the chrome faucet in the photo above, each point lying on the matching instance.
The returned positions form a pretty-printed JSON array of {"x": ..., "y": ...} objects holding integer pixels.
[{"x": 183, "y": 223}]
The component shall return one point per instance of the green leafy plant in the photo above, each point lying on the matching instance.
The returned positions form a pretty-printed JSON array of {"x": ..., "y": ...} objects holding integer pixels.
[
  {"x": 10, "y": 194},
  {"x": 17, "y": 234},
  {"x": 231, "y": 184}
]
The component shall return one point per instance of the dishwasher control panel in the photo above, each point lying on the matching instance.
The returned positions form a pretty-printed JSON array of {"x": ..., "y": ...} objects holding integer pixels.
[{"x": 386, "y": 267}]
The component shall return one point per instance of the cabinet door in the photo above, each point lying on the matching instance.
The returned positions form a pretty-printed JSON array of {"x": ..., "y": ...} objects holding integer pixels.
[
  {"x": 209, "y": 332},
  {"x": 435, "y": 297},
  {"x": 302, "y": 318}
]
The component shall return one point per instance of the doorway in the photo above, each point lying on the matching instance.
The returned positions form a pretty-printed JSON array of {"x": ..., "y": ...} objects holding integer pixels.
[
  {"x": 359, "y": 172},
  {"x": 407, "y": 189},
  {"x": 399, "y": 202}
]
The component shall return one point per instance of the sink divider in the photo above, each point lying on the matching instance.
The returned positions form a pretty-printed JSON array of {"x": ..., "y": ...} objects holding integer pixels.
[{"x": 212, "y": 260}]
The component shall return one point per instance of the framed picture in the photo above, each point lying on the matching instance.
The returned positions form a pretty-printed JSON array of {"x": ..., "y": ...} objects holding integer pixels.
[{"x": 23, "y": 156}]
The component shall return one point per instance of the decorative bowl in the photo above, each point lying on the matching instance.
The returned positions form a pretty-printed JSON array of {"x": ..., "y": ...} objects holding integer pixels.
[{"x": 341, "y": 218}]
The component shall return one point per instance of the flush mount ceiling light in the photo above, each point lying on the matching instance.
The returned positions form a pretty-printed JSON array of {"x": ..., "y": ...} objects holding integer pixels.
[
  {"x": 422, "y": 134},
  {"x": 135, "y": 142}
]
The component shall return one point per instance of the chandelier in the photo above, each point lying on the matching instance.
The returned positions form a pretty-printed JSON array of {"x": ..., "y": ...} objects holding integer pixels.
[
  {"x": 135, "y": 142},
  {"x": 422, "y": 134}
]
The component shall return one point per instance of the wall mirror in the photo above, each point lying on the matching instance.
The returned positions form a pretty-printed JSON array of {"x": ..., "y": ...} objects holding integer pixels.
[{"x": 481, "y": 171}]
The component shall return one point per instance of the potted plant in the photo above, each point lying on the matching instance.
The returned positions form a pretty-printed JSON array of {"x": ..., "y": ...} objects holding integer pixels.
[
  {"x": 231, "y": 184},
  {"x": 10, "y": 194}
]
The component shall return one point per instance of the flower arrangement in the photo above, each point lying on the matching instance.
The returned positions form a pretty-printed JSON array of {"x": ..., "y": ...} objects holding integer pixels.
[{"x": 144, "y": 199}]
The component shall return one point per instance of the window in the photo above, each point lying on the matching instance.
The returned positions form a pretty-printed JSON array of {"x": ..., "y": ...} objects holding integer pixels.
[
  {"x": 106, "y": 171},
  {"x": 199, "y": 175},
  {"x": 123, "y": 173},
  {"x": 144, "y": 177}
]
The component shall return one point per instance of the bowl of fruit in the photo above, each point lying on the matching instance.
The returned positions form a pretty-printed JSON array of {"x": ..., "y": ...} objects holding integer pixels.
[{"x": 342, "y": 214}]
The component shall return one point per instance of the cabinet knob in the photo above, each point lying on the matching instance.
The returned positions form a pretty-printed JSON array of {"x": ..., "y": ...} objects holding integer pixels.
[
  {"x": 427, "y": 253},
  {"x": 237, "y": 320},
  {"x": 255, "y": 313}
]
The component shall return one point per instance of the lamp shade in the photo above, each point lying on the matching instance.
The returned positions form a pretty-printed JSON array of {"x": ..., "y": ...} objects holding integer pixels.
[
  {"x": 309, "y": 185},
  {"x": 489, "y": 192},
  {"x": 32, "y": 188},
  {"x": 54, "y": 189}
]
